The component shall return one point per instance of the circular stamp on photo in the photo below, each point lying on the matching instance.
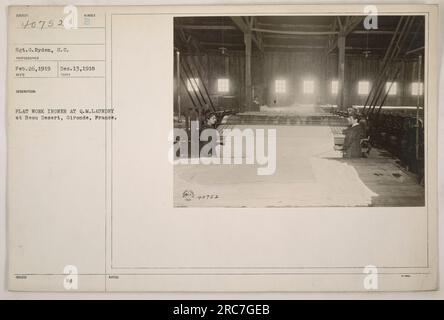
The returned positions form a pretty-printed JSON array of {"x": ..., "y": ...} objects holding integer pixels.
[{"x": 188, "y": 195}]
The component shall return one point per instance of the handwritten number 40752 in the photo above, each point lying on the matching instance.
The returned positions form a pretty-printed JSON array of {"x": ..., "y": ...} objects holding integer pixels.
[
  {"x": 42, "y": 24},
  {"x": 207, "y": 196}
]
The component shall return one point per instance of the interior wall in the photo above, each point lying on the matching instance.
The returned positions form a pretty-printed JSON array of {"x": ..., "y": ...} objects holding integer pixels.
[
  {"x": 211, "y": 68},
  {"x": 294, "y": 68}
]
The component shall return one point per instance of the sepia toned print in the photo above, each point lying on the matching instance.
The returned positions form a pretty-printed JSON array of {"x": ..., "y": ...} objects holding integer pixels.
[
  {"x": 340, "y": 98},
  {"x": 222, "y": 148}
]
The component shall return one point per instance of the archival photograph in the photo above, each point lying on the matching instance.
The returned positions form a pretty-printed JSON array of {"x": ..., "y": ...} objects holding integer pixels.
[
  {"x": 299, "y": 111},
  {"x": 244, "y": 149}
]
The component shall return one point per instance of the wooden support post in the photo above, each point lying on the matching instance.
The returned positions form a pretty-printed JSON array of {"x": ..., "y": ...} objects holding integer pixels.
[
  {"x": 324, "y": 92},
  {"x": 178, "y": 84},
  {"x": 248, "y": 99},
  {"x": 341, "y": 71},
  {"x": 227, "y": 66},
  {"x": 400, "y": 87},
  {"x": 418, "y": 101}
]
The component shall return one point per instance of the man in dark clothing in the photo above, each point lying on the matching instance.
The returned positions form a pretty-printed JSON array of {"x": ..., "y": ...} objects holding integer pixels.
[
  {"x": 210, "y": 122},
  {"x": 352, "y": 140}
]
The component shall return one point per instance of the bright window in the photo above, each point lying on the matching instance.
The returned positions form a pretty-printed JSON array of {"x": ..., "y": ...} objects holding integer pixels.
[
  {"x": 415, "y": 87},
  {"x": 334, "y": 87},
  {"x": 281, "y": 86},
  {"x": 223, "y": 85},
  {"x": 363, "y": 87},
  {"x": 308, "y": 86},
  {"x": 393, "y": 89},
  {"x": 193, "y": 84}
]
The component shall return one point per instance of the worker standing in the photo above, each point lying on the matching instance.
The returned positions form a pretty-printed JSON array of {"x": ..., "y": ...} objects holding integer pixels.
[{"x": 353, "y": 135}]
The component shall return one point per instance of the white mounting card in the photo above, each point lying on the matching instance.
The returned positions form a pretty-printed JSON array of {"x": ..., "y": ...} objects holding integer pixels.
[{"x": 102, "y": 100}]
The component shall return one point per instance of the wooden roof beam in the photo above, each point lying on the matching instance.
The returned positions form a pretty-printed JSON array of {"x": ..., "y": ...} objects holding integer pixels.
[
  {"x": 302, "y": 33},
  {"x": 245, "y": 27},
  {"x": 291, "y": 37},
  {"x": 295, "y": 26},
  {"x": 189, "y": 41},
  {"x": 205, "y": 27},
  {"x": 241, "y": 24},
  {"x": 347, "y": 28}
]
